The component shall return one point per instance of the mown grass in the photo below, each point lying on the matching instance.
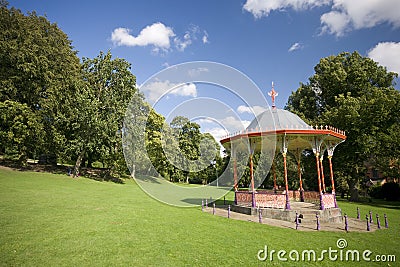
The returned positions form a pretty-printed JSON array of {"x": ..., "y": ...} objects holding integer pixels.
[{"x": 51, "y": 220}]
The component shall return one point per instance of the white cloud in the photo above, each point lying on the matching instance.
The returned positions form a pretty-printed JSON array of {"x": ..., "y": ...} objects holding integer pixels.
[
  {"x": 344, "y": 16},
  {"x": 159, "y": 36},
  {"x": 205, "y": 38},
  {"x": 234, "y": 124},
  {"x": 252, "y": 110},
  {"x": 156, "y": 34},
  {"x": 188, "y": 89},
  {"x": 295, "y": 46},
  {"x": 260, "y": 8},
  {"x": 190, "y": 36},
  {"x": 335, "y": 23},
  {"x": 387, "y": 54},
  {"x": 217, "y": 132},
  {"x": 347, "y": 15},
  {"x": 181, "y": 44},
  {"x": 196, "y": 72},
  {"x": 156, "y": 89}
]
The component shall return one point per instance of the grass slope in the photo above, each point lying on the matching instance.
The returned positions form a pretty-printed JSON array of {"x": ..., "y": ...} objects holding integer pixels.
[{"x": 54, "y": 220}]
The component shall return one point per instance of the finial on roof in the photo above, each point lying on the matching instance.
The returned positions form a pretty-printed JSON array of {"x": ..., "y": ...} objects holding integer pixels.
[{"x": 273, "y": 94}]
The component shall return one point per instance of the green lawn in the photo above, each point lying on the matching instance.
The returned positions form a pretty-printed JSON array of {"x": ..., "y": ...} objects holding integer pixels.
[{"x": 51, "y": 220}]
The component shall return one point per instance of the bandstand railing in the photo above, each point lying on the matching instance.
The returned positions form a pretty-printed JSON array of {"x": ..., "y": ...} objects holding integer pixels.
[{"x": 270, "y": 199}]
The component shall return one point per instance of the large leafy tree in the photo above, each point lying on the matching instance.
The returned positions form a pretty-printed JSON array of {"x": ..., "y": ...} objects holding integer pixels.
[
  {"x": 21, "y": 129},
  {"x": 38, "y": 67},
  {"x": 355, "y": 94},
  {"x": 96, "y": 123}
]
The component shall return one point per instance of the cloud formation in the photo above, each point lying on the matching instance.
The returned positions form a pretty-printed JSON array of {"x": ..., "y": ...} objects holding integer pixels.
[
  {"x": 156, "y": 34},
  {"x": 251, "y": 110},
  {"x": 188, "y": 89},
  {"x": 347, "y": 15},
  {"x": 160, "y": 36},
  {"x": 260, "y": 8},
  {"x": 387, "y": 54},
  {"x": 344, "y": 16},
  {"x": 295, "y": 46},
  {"x": 155, "y": 90}
]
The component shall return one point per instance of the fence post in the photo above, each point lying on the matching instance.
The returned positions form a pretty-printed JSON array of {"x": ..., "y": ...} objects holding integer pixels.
[
  {"x": 378, "y": 222},
  {"x": 386, "y": 221}
]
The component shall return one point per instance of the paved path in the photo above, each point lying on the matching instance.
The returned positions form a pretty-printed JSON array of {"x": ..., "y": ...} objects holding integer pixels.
[{"x": 354, "y": 225}]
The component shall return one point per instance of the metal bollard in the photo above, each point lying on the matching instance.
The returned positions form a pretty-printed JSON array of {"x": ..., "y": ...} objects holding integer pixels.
[
  {"x": 202, "y": 205},
  {"x": 206, "y": 203},
  {"x": 259, "y": 216},
  {"x": 229, "y": 211},
  {"x": 213, "y": 208},
  {"x": 346, "y": 224},
  {"x": 366, "y": 217},
  {"x": 386, "y": 221},
  {"x": 358, "y": 213},
  {"x": 297, "y": 221},
  {"x": 378, "y": 223},
  {"x": 371, "y": 221},
  {"x": 318, "y": 226}
]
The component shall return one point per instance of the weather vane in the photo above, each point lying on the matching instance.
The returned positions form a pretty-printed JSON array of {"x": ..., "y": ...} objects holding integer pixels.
[{"x": 273, "y": 94}]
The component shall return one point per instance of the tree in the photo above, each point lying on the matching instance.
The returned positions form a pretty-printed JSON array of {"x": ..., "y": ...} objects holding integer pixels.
[
  {"x": 355, "y": 94},
  {"x": 38, "y": 67},
  {"x": 99, "y": 107},
  {"x": 20, "y": 129}
]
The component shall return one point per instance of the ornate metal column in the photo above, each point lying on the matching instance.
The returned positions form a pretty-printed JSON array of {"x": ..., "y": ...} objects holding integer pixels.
[
  {"x": 235, "y": 178},
  {"x": 253, "y": 202},
  {"x": 331, "y": 148},
  {"x": 322, "y": 172},
  {"x": 316, "y": 145},
  {"x": 253, "y": 192},
  {"x": 284, "y": 153}
]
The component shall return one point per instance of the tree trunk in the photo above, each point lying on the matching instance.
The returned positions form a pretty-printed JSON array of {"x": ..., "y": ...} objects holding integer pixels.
[
  {"x": 78, "y": 164},
  {"x": 133, "y": 170},
  {"x": 353, "y": 186}
]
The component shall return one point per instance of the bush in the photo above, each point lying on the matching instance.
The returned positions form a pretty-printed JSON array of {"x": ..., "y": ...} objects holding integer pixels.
[
  {"x": 375, "y": 191},
  {"x": 391, "y": 191}
]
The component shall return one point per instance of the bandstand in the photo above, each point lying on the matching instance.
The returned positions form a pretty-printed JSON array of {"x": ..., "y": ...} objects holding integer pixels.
[{"x": 285, "y": 132}]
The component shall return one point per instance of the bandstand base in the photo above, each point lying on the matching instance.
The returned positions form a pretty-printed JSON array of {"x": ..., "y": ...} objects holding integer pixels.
[{"x": 306, "y": 211}]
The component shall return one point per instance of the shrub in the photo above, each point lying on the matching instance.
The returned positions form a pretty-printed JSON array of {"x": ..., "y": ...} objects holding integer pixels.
[
  {"x": 375, "y": 191},
  {"x": 391, "y": 191}
]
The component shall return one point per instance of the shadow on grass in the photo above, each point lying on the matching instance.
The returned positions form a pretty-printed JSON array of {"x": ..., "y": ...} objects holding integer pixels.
[
  {"x": 218, "y": 202},
  {"x": 146, "y": 178},
  {"x": 97, "y": 174}
]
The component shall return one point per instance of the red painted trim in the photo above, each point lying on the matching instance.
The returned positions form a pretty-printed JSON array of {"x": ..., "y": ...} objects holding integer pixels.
[{"x": 289, "y": 131}]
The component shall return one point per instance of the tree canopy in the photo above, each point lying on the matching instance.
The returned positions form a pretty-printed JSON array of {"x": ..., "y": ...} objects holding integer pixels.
[{"x": 354, "y": 94}]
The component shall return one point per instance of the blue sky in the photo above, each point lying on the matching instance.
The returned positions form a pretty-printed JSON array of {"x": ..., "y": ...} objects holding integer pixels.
[{"x": 273, "y": 40}]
